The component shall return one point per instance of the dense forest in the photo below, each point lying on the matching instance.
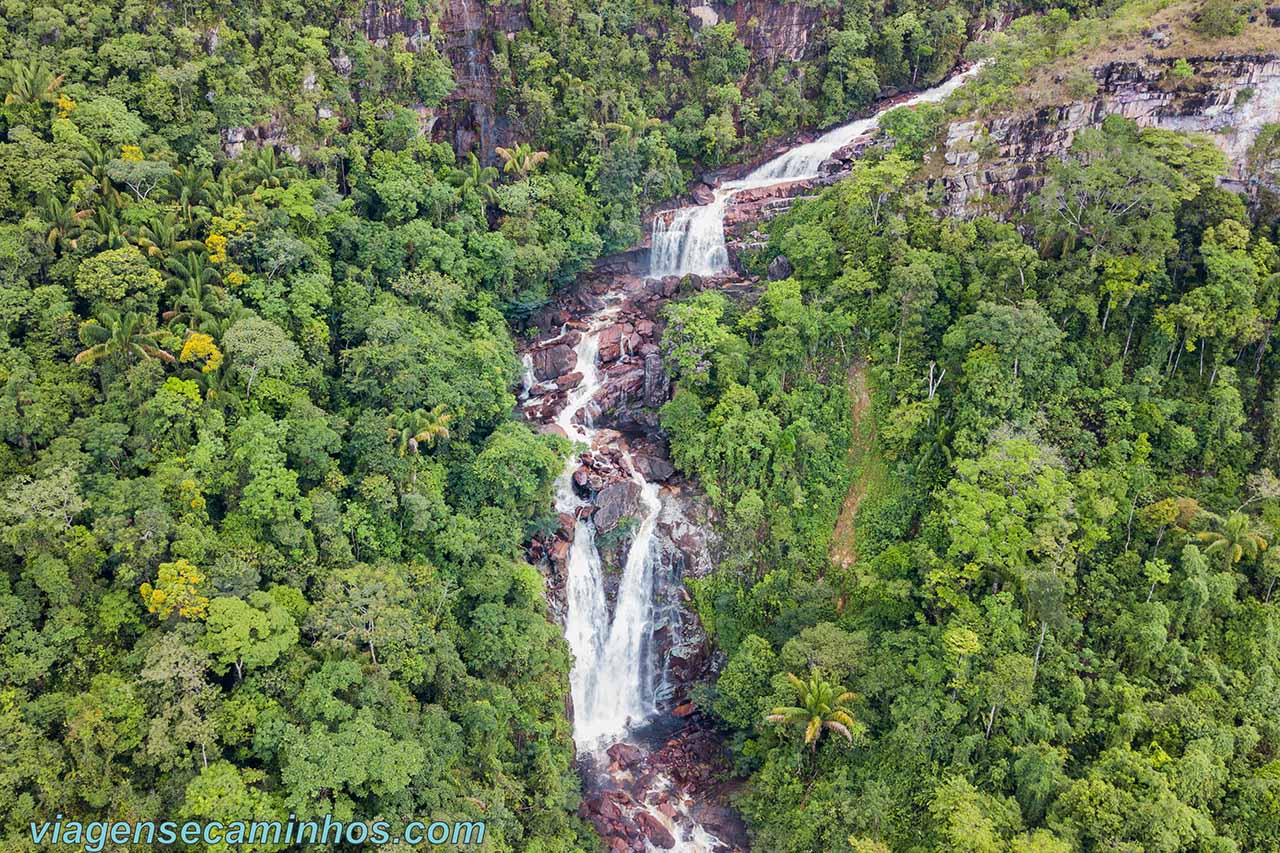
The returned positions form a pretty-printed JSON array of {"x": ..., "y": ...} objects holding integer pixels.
[
  {"x": 266, "y": 500},
  {"x": 1060, "y": 632}
]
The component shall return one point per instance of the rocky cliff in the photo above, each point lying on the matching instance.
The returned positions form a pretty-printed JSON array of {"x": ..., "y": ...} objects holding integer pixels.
[
  {"x": 773, "y": 32},
  {"x": 468, "y": 28},
  {"x": 991, "y": 165}
]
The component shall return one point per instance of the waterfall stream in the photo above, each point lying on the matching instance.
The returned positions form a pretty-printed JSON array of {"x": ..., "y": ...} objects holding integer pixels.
[
  {"x": 611, "y": 681},
  {"x": 619, "y": 680},
  {"x": 691, "y": 240}
]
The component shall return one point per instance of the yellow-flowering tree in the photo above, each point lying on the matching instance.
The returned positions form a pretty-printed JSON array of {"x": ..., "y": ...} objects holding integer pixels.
[{"x": 177, "y": 587}]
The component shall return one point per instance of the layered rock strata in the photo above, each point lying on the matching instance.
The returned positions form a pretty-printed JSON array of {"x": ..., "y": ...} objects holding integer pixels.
[{"x": 991, "y": 165}]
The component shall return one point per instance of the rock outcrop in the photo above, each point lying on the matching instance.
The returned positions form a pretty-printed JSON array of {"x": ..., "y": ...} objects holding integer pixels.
[
  {"x": 777, "y": 32},
  {"x": 993, "y": 164},
  {"x": 468, "y": 117},
  {"x": 646, "y": 799}
]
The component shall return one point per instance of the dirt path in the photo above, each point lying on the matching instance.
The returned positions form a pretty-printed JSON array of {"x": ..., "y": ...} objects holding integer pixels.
[{"x": 843, "y": 542}]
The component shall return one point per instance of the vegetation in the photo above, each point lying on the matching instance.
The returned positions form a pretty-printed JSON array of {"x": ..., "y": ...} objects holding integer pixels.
[
  {"x": 266, "y": 503},
  {"x": 1060, "y": 620}
]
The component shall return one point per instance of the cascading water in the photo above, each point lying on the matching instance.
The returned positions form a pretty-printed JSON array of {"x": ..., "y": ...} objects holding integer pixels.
[
  {"x": 692, "y": 239},
  {"x": 528, "y": 380},
  {"x": 620, "y": 677},
  {"x": 611, "y": 681}
]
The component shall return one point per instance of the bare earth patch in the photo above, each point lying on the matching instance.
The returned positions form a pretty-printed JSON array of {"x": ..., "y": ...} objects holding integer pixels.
[{"x": 862, "y": 461}]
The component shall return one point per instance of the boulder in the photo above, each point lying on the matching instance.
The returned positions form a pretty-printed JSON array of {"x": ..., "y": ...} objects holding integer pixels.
[
  {"x": 553, "y": 362},
  {"x": 655, "y": 469},
  {"x": 703, "y": 16},
  {"x": 780, "y": 267},
  {"x": 721, "y": 822},
  {"x": 611, "y": 343},
  {"x": 615, "y": 501},
  {"x": 625, "y": 755},
  {"x": 703, "y": 194},
  {"x": 657, "y": 834}
]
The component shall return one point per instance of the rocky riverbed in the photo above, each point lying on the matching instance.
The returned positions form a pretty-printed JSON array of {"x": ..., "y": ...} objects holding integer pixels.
[{"x": 663, "y": 784}]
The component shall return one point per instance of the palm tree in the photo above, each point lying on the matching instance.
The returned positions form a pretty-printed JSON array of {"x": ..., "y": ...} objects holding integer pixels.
[
  {"x": 65, "y": 222},
  {"x": 196, "y": 303},
  {"x": 105, "y": 222},
  {"x": 821, "y": 705},
  {"x": 476, "y": 178},
  {"x": 162, "y": 236},
  {"x": 95, "y": 159},
  {"x": 1236, "y": 538},
  {"x": 266, "y": 168},
  {"x": 117, "y": 337},
  {"x": 522, "y": 159},
  {"x": 29, "y": 82},
  {"x": 192, "y": 267},
  {"x": 412, "y": 430},
  {"x": 633, "y": 128},
  {"x": 190, "y": 187}
]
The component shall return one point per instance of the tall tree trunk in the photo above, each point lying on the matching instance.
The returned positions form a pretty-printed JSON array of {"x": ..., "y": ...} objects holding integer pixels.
[
  {"x": 1035, "y": 663},
  {"x": 1262, "y": 348}
]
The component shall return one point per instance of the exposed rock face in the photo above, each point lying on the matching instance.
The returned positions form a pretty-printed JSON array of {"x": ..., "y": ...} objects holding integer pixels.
[
  {"x": 468, "y": 118},
  {"x": 998, "y": 162},
  {"x": 615, "y": 502},
  {"x": 644, "y": 798},
  {"x": 780, "y": 268},
  {"x": 776, "y": 31}
]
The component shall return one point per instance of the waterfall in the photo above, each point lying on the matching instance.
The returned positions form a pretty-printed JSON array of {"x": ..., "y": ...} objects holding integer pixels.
[
  {"x": 691, "y": 240},
  {"x": 528, "y": 380},
  {"x": 617, "y": 681},
  {"x": 612, "y": 677}
]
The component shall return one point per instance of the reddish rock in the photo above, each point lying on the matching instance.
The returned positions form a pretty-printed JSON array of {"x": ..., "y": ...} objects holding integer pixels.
[
  {"x": 625, "y": 755},
  {"x": 657, "y": 834},
  {"x": 655, "y": 469},
  {"x": 615, "y": 501},
  {"x": 569, "y": 380},
  {"x": 684, "y": 710},
  {"x": 553, "y": 362},
  {"x": 610, "y": 343}
]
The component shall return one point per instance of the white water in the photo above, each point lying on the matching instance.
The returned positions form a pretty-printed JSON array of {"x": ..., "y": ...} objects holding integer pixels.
[
  {"x": 527, "y": 378},
  {"x": 611, "y": 680},
  {"x": 692, "y": 239}
]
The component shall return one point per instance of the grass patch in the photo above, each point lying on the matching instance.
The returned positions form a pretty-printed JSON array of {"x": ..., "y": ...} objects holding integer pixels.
[
  {"x": 1039, "y": 60},
  {"x": 868, "y": 471}
]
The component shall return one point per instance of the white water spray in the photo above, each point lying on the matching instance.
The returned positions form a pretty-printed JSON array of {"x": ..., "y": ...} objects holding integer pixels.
[
  {"x": 692, "y": 240},
  {"x": 611, "y": 680}
]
